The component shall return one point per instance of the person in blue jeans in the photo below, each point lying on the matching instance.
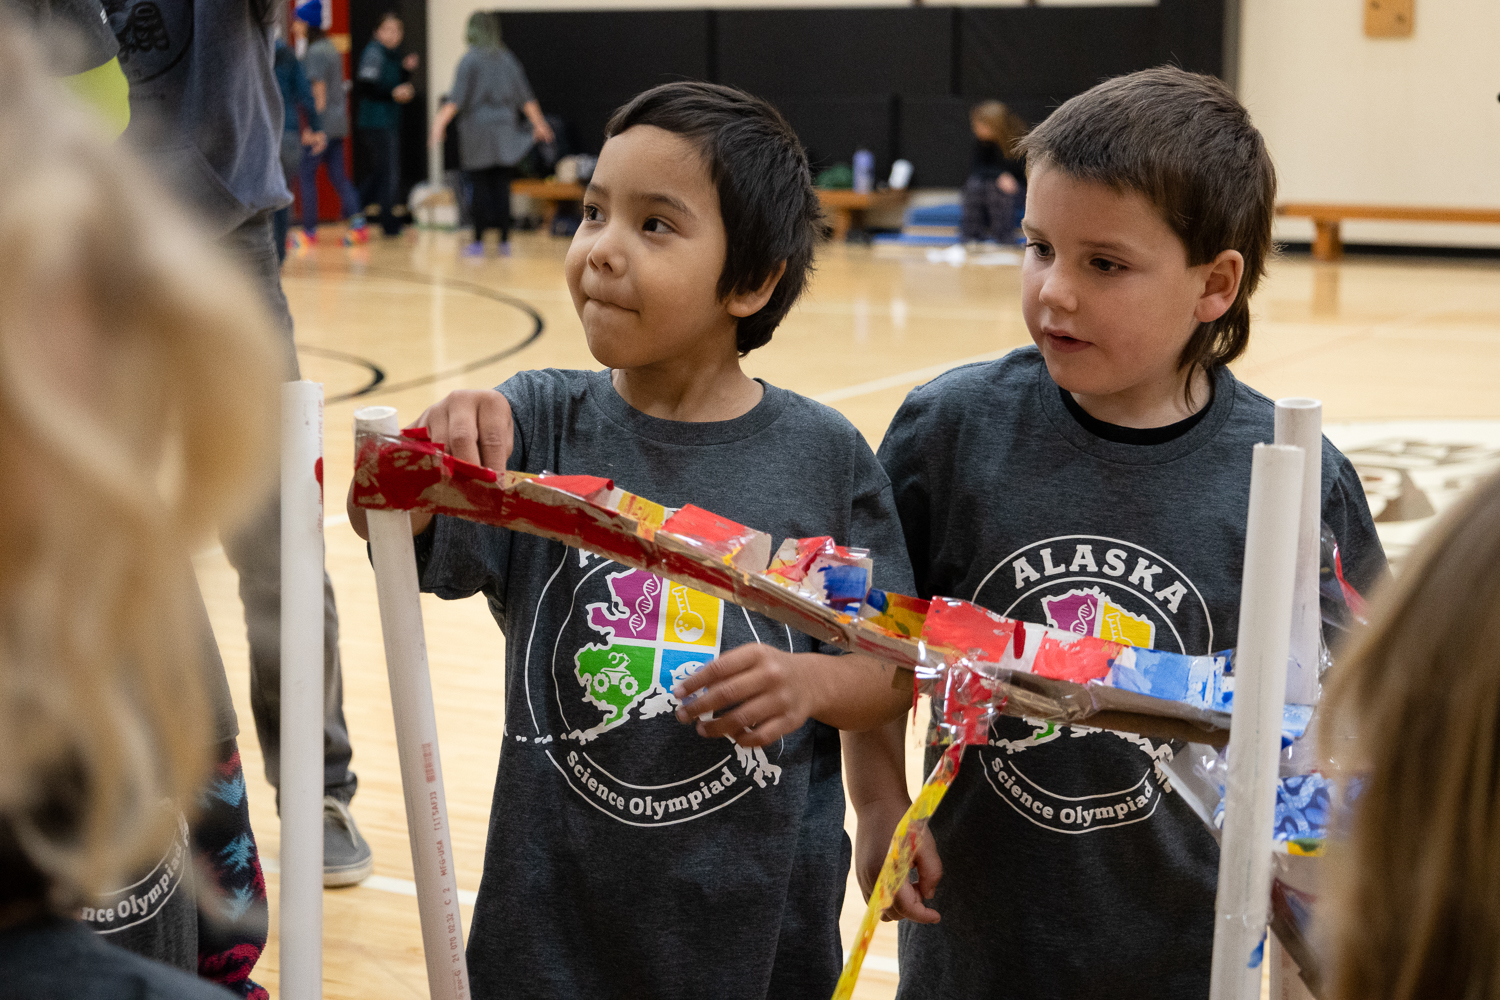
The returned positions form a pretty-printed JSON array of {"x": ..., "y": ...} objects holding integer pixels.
[
  {"x": 324, "y": 67},
  {"x": 383, "y": 83},
  {"x": 296, "y": 141},
  {"x": 206, "y": 114}
]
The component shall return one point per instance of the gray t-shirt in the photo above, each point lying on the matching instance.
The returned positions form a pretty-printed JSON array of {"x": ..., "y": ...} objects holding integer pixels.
[
  {"x": 627, "y": 856},
  {"x": 155, "y": 913},
  {"x": 56, "y": 959},
  {"x": 323, "y": 64},
  {"x": 1071, "y": 870},
  {"x": 490, "y": 88}
]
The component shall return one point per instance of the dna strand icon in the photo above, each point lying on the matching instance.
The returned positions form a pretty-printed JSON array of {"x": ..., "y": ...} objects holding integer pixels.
[{"x": 645, "y": 603}]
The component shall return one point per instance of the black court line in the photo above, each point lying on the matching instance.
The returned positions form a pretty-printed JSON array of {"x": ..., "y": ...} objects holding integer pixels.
[
  {"x": 377, "y": 384},
  {"x": 377, "y": 374}
]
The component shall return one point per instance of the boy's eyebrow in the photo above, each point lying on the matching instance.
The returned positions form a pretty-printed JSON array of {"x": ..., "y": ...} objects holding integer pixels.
[
  {"x": 676, "y": 204},
  {"x": 652, "y": 198},
  {"x": 1108, "y": 246}
]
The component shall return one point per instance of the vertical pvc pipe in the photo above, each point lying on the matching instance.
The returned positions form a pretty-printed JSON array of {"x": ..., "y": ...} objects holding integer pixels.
[
  {"x": 1260, "y": 663},
  {"x": 1299, "y": 423},
  {"x": 394, "y": 558},
  {"x": 301, "y": 906}
]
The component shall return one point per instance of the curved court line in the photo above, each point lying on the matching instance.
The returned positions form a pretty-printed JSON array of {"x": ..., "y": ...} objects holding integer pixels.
[
  {"x": 377, "y": 374},
  {"x": 378, "y": 384}
]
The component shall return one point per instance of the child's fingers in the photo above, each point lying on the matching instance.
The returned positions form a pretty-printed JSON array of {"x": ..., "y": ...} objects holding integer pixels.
[
  {"x": 908, "y": 905},
  {"x": 496, "y": 436},
  {"x": 928, "y": 865},
  {"x": 475, "y": 425},
  {"x": 716, "y": 700},
  {"x": 760, "y": 714},
  {"x": 770, "y": 730},
  {"x": 718, "y": 670},
  {"x": 462, "y": 428}
]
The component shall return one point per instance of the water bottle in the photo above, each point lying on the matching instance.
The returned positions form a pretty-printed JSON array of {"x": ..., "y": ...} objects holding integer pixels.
[{"x": 864, "y": 171}]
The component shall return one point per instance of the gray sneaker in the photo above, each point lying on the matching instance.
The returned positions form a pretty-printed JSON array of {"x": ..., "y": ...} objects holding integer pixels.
[{"x": 346, "y": 856}]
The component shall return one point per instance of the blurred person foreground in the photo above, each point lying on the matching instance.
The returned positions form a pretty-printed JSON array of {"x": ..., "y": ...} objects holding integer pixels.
[{"x": 137, "y": 387}]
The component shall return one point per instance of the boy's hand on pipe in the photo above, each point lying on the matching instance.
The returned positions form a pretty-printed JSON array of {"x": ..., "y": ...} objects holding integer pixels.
[
  {"x": 872, "y": 841},
  {"x": 475, "y": 424},
  {"x": 477, "y": 427},
  {"x": 758, "y": 694}
]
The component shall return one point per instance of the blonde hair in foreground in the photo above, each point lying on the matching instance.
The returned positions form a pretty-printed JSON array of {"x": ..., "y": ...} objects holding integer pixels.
[
  {"x": 137, "y": 394},
  {"x": 1412, "y": 905}
]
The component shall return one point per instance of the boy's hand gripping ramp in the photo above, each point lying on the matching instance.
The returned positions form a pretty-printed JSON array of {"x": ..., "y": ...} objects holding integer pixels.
[{"x": 394, "y": 559}]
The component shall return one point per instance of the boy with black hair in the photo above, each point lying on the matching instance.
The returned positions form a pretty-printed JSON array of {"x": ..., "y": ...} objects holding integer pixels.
[
  {"x": 629, "y": 856},
  {"x": 1097, "y": 482}
]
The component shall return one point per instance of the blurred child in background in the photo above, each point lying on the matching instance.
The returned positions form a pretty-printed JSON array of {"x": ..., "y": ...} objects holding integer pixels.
[
  {"x": 991, "y": 195},
  {"x": 324, "y": 66},
  {"x": 137, "y": 386},
  {"x": 297, "y": 139}
]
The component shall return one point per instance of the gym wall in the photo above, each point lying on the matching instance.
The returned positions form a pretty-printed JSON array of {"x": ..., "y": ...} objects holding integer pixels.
[
  {"x": 1384, "y": 121},
  {"x": 895, "y": 78}
]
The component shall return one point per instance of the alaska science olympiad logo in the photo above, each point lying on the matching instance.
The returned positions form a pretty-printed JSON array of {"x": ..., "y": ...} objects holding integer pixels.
[
  {"x": 1110, "y": 589},
  {"x": 610, "y": 672}
]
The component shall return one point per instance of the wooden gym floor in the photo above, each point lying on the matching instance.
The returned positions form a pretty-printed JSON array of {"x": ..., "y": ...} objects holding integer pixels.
[{"x": 1376, "y": 339}]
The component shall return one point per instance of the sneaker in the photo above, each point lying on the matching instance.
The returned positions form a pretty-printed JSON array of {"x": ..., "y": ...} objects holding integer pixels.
[
  {"x": 505, "y": 248},
  {"x": 298, "y": 242},
  {"x": 475, "y": 249},
  {"x": 311, "y": 236},
  {"x": 358, "y": 235},
  {"x": 347, "y": 859}
]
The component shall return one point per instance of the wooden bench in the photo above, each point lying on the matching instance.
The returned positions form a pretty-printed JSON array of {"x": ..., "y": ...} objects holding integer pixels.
[
  {"x": 1326, "y": 218},
  {"x": 848, "y": 207},
  {"x": 551, "y": 193}
]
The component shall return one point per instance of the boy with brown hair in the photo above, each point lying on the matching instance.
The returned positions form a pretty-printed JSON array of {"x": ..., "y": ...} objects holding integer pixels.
[{"x": 1097, "y": 482}]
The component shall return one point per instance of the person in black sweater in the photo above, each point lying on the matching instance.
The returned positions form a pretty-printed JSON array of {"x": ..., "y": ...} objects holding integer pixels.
[
  {"x": 993, "y": 192},
  {"x": 382, "y": 82}
]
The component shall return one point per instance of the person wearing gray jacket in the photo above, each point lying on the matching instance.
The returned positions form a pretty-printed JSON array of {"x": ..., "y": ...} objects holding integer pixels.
[{"x": 490, "y": 94}]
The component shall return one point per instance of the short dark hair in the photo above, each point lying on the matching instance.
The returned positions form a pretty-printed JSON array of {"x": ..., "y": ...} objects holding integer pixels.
[
  {"x": 1186, "y": 143},
  {"x": 766, "y": 198}
]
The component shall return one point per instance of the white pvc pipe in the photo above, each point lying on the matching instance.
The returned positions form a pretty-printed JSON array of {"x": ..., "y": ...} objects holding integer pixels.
[
  {"x": 301, "y": 906},
  {"x": 395, "y": 562},
  {"x": 1260, "y": 663},
  {"x": 1299, "y": 423}
]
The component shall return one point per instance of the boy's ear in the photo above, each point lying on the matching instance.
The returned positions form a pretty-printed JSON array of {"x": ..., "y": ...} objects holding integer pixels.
[
  {"x": 1221, "y": 283},
  {"x": 742, "y": 304}
]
